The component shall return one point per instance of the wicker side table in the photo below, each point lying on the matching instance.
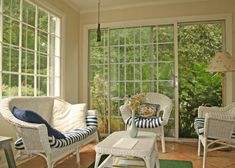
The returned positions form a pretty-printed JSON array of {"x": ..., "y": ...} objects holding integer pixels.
[
  {"x": 5, "y": 143},
  {"x": 144, "y": 148}
]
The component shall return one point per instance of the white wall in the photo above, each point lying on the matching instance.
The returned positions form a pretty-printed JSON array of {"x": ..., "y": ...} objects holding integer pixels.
[{"x": 215, "y": 7}]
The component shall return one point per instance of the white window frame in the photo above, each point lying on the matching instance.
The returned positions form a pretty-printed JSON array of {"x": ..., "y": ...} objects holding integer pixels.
[{"x": 53, "y": 75}]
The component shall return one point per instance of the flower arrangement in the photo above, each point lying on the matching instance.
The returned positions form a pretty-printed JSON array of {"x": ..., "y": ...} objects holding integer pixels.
[{"x": 135, "y": 101}]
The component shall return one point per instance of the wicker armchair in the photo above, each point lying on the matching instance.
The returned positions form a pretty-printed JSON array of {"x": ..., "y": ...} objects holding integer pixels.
[
  {"x": 215, "y": 125},
  {"x": 35, "y": 136},
  {"x": 165, "y": 107}
]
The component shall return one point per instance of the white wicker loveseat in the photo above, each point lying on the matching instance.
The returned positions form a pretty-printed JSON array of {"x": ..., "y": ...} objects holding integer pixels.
[
  {"x": 34, "y": 137},
  {"x": 156, "y": 124},
  {"x": 215, "y": 125}
]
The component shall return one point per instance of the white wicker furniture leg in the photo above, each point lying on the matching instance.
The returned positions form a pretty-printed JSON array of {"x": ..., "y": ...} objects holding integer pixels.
[{"x": 144, "y": 148}]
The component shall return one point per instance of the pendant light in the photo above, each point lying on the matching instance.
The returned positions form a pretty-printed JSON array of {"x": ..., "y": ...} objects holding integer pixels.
[{"x": 98, "y": 28}]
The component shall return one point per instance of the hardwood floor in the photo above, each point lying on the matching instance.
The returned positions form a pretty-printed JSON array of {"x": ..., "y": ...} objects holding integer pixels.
[{"x": 175, "y": 151}]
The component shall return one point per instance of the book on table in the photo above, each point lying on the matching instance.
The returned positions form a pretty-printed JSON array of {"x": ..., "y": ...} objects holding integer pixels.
[
  {"x": 128, "y": 162},
  {"x": 125, "y": 143}
]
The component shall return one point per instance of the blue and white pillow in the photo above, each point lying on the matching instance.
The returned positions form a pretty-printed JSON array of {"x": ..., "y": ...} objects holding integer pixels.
[{"x": 32, "y": 117}]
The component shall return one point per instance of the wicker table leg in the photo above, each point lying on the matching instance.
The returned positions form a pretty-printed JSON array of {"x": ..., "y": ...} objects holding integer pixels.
[
  {"x": 147, "y": 161},
  {"x": 156, "y": 160},
  {"x": 152, "y": 160},
  {"x": 9, "y": 155},
  {"x": 97, "y": 159}
]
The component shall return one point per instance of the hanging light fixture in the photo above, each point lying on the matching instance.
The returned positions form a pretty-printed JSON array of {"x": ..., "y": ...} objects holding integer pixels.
[{"x": 98, "y": 28}]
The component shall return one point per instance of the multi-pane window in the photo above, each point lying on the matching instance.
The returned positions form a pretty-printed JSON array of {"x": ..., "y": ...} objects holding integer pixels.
[
  {"x": 29, "y": 50},
  {"x": 129, "y": 61}
]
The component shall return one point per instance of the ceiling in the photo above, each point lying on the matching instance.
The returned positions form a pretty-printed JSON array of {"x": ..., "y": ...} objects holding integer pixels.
[{"x": 91, "y": 5}]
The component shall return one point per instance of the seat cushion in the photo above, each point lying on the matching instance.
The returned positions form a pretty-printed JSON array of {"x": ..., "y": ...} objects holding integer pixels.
[
  {"x": 146, "y": 122},
  {"x": 33, "y": 117},
  {"x": 70, "y": 138},
  {"x": 199, "y": 126},
  {"x": 91, "y": 120}
]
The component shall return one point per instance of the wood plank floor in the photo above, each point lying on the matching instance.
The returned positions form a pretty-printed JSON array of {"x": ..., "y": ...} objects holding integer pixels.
[{"x": 175, "y": 151}]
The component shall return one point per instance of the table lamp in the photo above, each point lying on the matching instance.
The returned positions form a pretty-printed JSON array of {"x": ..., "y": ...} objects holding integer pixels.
[{"x": 222, "y": 62}]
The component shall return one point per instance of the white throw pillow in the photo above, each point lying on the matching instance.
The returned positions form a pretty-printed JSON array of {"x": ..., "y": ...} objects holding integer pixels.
[{"x": 67, "y": 117}]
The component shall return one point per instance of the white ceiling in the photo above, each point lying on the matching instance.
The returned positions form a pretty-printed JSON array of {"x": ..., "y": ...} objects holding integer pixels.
[{"x": 91, "y": 5}]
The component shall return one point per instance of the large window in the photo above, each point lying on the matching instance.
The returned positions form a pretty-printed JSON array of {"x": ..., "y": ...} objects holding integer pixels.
[
  {"x": 29, "y": 50},
  {"x": 129, "y": 61}
]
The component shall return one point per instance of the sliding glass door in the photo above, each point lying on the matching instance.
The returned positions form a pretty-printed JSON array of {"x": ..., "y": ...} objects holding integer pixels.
[
  {"x": 169, "y": 59},
  {"x": 198, "y": 43}
]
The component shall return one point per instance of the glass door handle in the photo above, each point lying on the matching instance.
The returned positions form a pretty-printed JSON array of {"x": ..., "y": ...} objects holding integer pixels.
[{"x": 175, "y": 81}]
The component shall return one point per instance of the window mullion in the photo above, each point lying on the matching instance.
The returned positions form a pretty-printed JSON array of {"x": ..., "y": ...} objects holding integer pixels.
[
  {"x": 157, "y": 45},
  {"x": 48, "y": 56},
  {"x": 119, "y": 68},
  {"x": 35, "y": 51},
  {"x": 20, "y": 48},
  {"x": 109, "y": 93},
  {"x": 141, "y": 63},
  {"x": 1, "y": 34},
  {"x": 134, "y": 65},
  {"x": 125, "y": 84}
]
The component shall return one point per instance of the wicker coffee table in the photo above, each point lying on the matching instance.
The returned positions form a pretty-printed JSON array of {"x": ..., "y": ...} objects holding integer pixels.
[{"x": 144, "y": 148}]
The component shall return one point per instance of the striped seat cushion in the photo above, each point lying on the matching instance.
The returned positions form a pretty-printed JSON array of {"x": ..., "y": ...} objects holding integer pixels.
[
  {"x": 146, "y": 122},
  {"x": 91, "y": 120},
  {"x": 70, "y": 138},
  {"x": 199, "y": 126}
]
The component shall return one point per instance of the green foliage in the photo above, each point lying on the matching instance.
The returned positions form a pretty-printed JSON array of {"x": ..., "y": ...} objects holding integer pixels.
[
  {"x": 197, "y": 45},
  {"x": 99, "y": 100},
  {"x": 25, "y": 90},
  {"x": 29, "y": 12}
]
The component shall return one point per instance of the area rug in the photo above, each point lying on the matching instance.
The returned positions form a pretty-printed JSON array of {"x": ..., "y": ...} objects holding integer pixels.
[{"x": 163, "y": 163}]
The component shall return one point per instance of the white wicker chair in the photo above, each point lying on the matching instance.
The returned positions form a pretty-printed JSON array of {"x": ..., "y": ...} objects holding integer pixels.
[
  {"x": 165, "y": 106},
  {"x": 35, "y": 136},
  {"x": 219, "y": 127}
]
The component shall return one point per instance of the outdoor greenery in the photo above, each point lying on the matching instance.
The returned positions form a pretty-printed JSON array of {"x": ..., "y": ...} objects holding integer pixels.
[
  {"x": 141, "y": 59},
  {"x": 99, "y": 101},
  {"x": 25, "y": 51},
  {"x": 197, "y": 45}
]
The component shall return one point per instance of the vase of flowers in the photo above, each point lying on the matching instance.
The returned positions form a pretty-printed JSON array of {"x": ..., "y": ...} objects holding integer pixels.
[
  {"x": 133, "y": 130},
  {"x": 134, "y": 103}
]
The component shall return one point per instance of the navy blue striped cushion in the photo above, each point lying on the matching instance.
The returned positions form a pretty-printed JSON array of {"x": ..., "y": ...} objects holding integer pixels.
[
  {"x": 199, "y": 126},
  {"x": 146, "y": 122},
  {"x": 91, "y": 120},
  {"x": 70, "y": 138}
]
